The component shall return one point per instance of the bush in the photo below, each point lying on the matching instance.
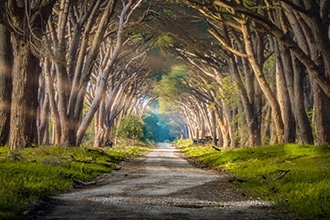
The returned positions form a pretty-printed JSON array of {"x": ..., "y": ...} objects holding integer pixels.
[{"x": 131, "y": 127}]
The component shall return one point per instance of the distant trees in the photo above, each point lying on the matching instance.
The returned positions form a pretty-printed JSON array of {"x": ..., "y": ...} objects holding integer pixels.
[{"x": 162, "y": 126}]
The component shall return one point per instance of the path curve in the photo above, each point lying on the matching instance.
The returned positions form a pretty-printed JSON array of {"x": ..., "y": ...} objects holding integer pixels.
[{"x": 160, "y": 185}]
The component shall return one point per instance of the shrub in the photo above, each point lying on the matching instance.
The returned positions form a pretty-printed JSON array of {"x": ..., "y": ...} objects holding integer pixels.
[{"x": 131, "y": 127}]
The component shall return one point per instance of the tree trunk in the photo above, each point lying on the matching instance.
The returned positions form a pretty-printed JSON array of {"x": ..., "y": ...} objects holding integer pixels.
[
  {"x": 49, "y": 71},
  {"x": 6, "y": 62},
  {"x": 249, "y": 90},
  {"x": 270, "y": 96},
  {"x": 105, "y": 75},
  {"x": 214, "y": 128},
  {"x": 99, "y": 125},
  {"x": 305, "y": 131},
  {"x": 224, "y": 128},
  {"x": 284, "y": 97},
  {"x": 294, "y": 75},
  {"x": 251, "y": 105},
  {"x": 266, "y": 126},
  {"x": 26, "y": 22},
  {"x": 322, "y": 116},
  {"x": 43, "y": 114},
  {"x": 24, "y": 106},
  {"x": 63, "y": 96}
]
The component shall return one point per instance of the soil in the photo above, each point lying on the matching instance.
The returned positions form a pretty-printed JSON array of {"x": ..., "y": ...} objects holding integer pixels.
[{"x": 159, "y": 185}]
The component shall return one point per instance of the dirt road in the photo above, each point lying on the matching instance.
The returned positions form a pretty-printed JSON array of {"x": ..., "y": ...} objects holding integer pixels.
[{"x": 160, "y": 185}]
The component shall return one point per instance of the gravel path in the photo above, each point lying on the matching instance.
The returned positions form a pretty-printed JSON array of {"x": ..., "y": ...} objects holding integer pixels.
[{"x": 160, "y": 185}]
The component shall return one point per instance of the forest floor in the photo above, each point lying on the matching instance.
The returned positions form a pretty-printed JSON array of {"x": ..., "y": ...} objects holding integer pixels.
[{"x": 159, "y": 185}]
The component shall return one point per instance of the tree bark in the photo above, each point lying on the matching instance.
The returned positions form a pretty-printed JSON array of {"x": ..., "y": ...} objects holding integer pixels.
[
  {"x": 322, "y": 116},
  {"x": 49, "y": 71},
  {"x": 305, "y": 131},
  {"x": 43, "y": 113},
  {"x": 6, "y": 62},
  {"x": 23, "y": 120},
  {"x": 289, "y": 135},
  {"x": 224, "y": 128}
]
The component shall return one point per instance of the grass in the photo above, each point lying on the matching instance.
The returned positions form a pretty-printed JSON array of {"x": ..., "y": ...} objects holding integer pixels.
[
  {"x": 38, "y": 173},
  {"x": 295, "y": 177}
]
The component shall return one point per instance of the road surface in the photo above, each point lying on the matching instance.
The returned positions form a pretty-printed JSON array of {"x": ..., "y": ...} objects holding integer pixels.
[{"x": 160, "y": 185}]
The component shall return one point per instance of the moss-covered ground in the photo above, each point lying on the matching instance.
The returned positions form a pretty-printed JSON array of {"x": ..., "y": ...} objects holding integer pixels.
[
  {"x": 38, "y": 173},
  {"x": 295, "y": 177}
]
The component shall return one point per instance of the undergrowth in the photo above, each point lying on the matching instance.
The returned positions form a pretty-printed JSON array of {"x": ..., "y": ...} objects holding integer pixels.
[
  {"x": 38, "y": 173},
  {"x": 295, "y": 177}
]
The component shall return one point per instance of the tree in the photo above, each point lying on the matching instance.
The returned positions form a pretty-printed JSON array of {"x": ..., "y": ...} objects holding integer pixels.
[
  {"x": 26, "y": 23},
  {"x": 76, "y": 33},
  {"x": 125, "y": 88},
  {"x": 295, "y": 27},
  {"x": 254, "y": 66},
  {"x": 209, "y": 58},
  {"x": 74, "y": 37}
]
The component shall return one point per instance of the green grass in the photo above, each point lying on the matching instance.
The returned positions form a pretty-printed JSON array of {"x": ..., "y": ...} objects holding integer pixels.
[
  {"x": 296, "y": 177},
  {"x": 41, "y": 172}
]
